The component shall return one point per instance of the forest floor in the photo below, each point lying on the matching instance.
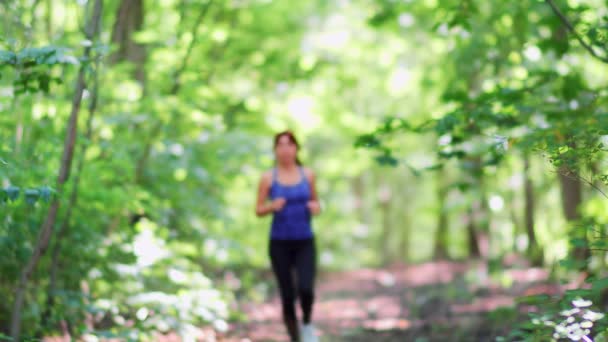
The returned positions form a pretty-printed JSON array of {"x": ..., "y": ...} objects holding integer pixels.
[
  {"x": 435, "y": 301},
  {"x": 428, "y": 302}
]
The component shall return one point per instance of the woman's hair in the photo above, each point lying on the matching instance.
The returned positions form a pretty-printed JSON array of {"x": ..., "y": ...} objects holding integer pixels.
[{"x": 292, "y": 139}]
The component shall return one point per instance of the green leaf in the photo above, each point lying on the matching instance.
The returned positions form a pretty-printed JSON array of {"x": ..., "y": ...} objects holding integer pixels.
[
  {"x": 37, "y": 55},
  {"x": 386, "y": 159},
  {"x": 590, "y": 279},
  {"x": 534, "y": 299},
  {"x": 593, "y": 34},
  {"x": 453, "y": 154},
  {"x": 31, "y": 196},
  {"x": 461, "y": 186},
  {"x": 12, "y": 192},
  {"x": 572, "y": 264},
  {"x": 578, "y": 242},
  {"x": 434, "y": 167},
  {"x": 45, "y": 193},
  {"x": 7, "y": 57},
  {"x": 367, "y": 140},
  {"x": 382, "y": 16},
  {"x": 600, "y": 284},
  {"x": 393, "y": 124},
  {"x": 447, "y": 124},
  {"x": 585, "y": 293},
  {"x": 599, "y": 244},
  {"x": 44, "y": 81}
]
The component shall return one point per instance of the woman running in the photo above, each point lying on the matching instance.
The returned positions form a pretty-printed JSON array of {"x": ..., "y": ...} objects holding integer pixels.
[{"x": 293, "y": 200}]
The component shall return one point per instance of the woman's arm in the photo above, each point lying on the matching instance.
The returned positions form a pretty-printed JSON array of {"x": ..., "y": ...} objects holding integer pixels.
[
  {"x": 313, "y": 204},
  {"x": 262, "y": 207}
]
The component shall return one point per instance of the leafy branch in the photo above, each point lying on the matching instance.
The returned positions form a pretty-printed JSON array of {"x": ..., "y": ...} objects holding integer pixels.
[{"x": 578, "y": 37}]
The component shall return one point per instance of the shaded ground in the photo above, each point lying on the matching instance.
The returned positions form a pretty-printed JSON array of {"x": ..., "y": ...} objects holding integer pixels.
[
  {"x": 436, "y": 301},
  {"x": 440, "y": 301}
]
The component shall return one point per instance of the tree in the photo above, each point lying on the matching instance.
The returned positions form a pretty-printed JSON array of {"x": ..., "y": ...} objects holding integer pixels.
[{"x": 46, "y": 230}]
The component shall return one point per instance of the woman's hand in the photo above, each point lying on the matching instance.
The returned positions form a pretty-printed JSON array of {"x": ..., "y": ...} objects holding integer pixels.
[
  {"x": 278, "y": 204},
  {"x": 314, "y": 207}
]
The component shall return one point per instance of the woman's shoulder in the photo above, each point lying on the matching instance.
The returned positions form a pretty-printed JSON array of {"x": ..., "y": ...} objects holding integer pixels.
[
  {"x": 267, "y": 175},
  {"x": 310, "y": 174}
]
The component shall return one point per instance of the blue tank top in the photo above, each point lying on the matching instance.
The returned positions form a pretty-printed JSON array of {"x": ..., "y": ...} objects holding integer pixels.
[{"x": 293, "y": 222}]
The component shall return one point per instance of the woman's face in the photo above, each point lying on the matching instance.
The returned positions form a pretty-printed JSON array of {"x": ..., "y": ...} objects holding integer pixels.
[{"x": 285, "y": 150}]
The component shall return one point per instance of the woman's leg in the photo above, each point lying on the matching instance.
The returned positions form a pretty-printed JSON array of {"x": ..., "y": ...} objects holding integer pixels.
[
  {"x": 306, "y": 271},
  {"x": 282, "y": 259}
]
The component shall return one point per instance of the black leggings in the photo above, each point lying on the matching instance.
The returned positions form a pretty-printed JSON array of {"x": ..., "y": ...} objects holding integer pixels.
[{"x": 287, "y": 256}]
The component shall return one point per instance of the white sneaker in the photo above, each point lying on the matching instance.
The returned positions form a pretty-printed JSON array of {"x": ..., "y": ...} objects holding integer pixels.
[{"x": 307, "y": 332}]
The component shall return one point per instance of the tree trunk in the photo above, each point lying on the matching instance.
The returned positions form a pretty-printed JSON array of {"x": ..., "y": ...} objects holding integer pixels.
[
  {"x": 534, "y": 251},
  {"x": 440, "y": 249},
  {"x": 129, "y": 20},
  {"x": 49, "y": 20},
  {"x": 46, "y": 229},
  {"x": 384, "y": 199},
  {"x": 358, "y": 187},
  {"x": 477, "y": 227},
  {"x": 484, "y": 223},
  {"x": 571, "y": 189},
  {"x": 571, "y": 193},
  {"x": 17, "y": 110},
  {"x": 403, "y": 226},
  {"x": 474, "y": 250},
  {"x": 474, "y": 212},
  {"x": 517, "y": 226},
  {"x": 570, "y": 183},
  {"x": 63, "y": 230}
]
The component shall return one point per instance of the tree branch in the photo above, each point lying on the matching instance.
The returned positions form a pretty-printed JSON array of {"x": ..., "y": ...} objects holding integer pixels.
[
  {"x": 573, "y": 175},
  {"x": 578, "y": 37},
  {"x": 180, "y": 70},
  {"x": 65, "y": 226},
  {"x": 141, "y": 163}
]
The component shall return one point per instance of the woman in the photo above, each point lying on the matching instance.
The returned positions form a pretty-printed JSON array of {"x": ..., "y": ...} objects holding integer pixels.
[{"x": 291, "y": 189}]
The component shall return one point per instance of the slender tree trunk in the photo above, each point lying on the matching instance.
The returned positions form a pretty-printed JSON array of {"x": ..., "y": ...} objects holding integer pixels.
[
  {"x": 384, "y": 196},
  {"x": 477, "y": 227},
  {"x": 33, "y": 20},
  {"x": 474, "y": 231},
  {"x": 516, "y": 221},
  {"x": 485, "y": 221},
  {"x": 478, "y": 230},
  {"x": 440, "y": 249},
  {"x": 49, "y": 20},
  {"x": 129, "y": 20},
  {"x": 358, "y": 187},
  {"x": 15, "y": 108},
  {"x": 46, "y": 229},
  {"x": 474, "y": 250},
  {"x": 64, "y": 228},
  {"x": 534, "y": 251},
  {"x": 403, "y": 226},
  {"x": 571, "y": 188}
]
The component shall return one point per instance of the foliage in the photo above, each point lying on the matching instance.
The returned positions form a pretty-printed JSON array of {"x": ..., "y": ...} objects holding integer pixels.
[
  {"x": 156, "y": 230},
  {"x": 570, "y": 318}
]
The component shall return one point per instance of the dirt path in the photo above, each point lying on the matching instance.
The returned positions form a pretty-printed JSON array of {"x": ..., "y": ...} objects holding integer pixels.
[{"x": 439, "y": 301}]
